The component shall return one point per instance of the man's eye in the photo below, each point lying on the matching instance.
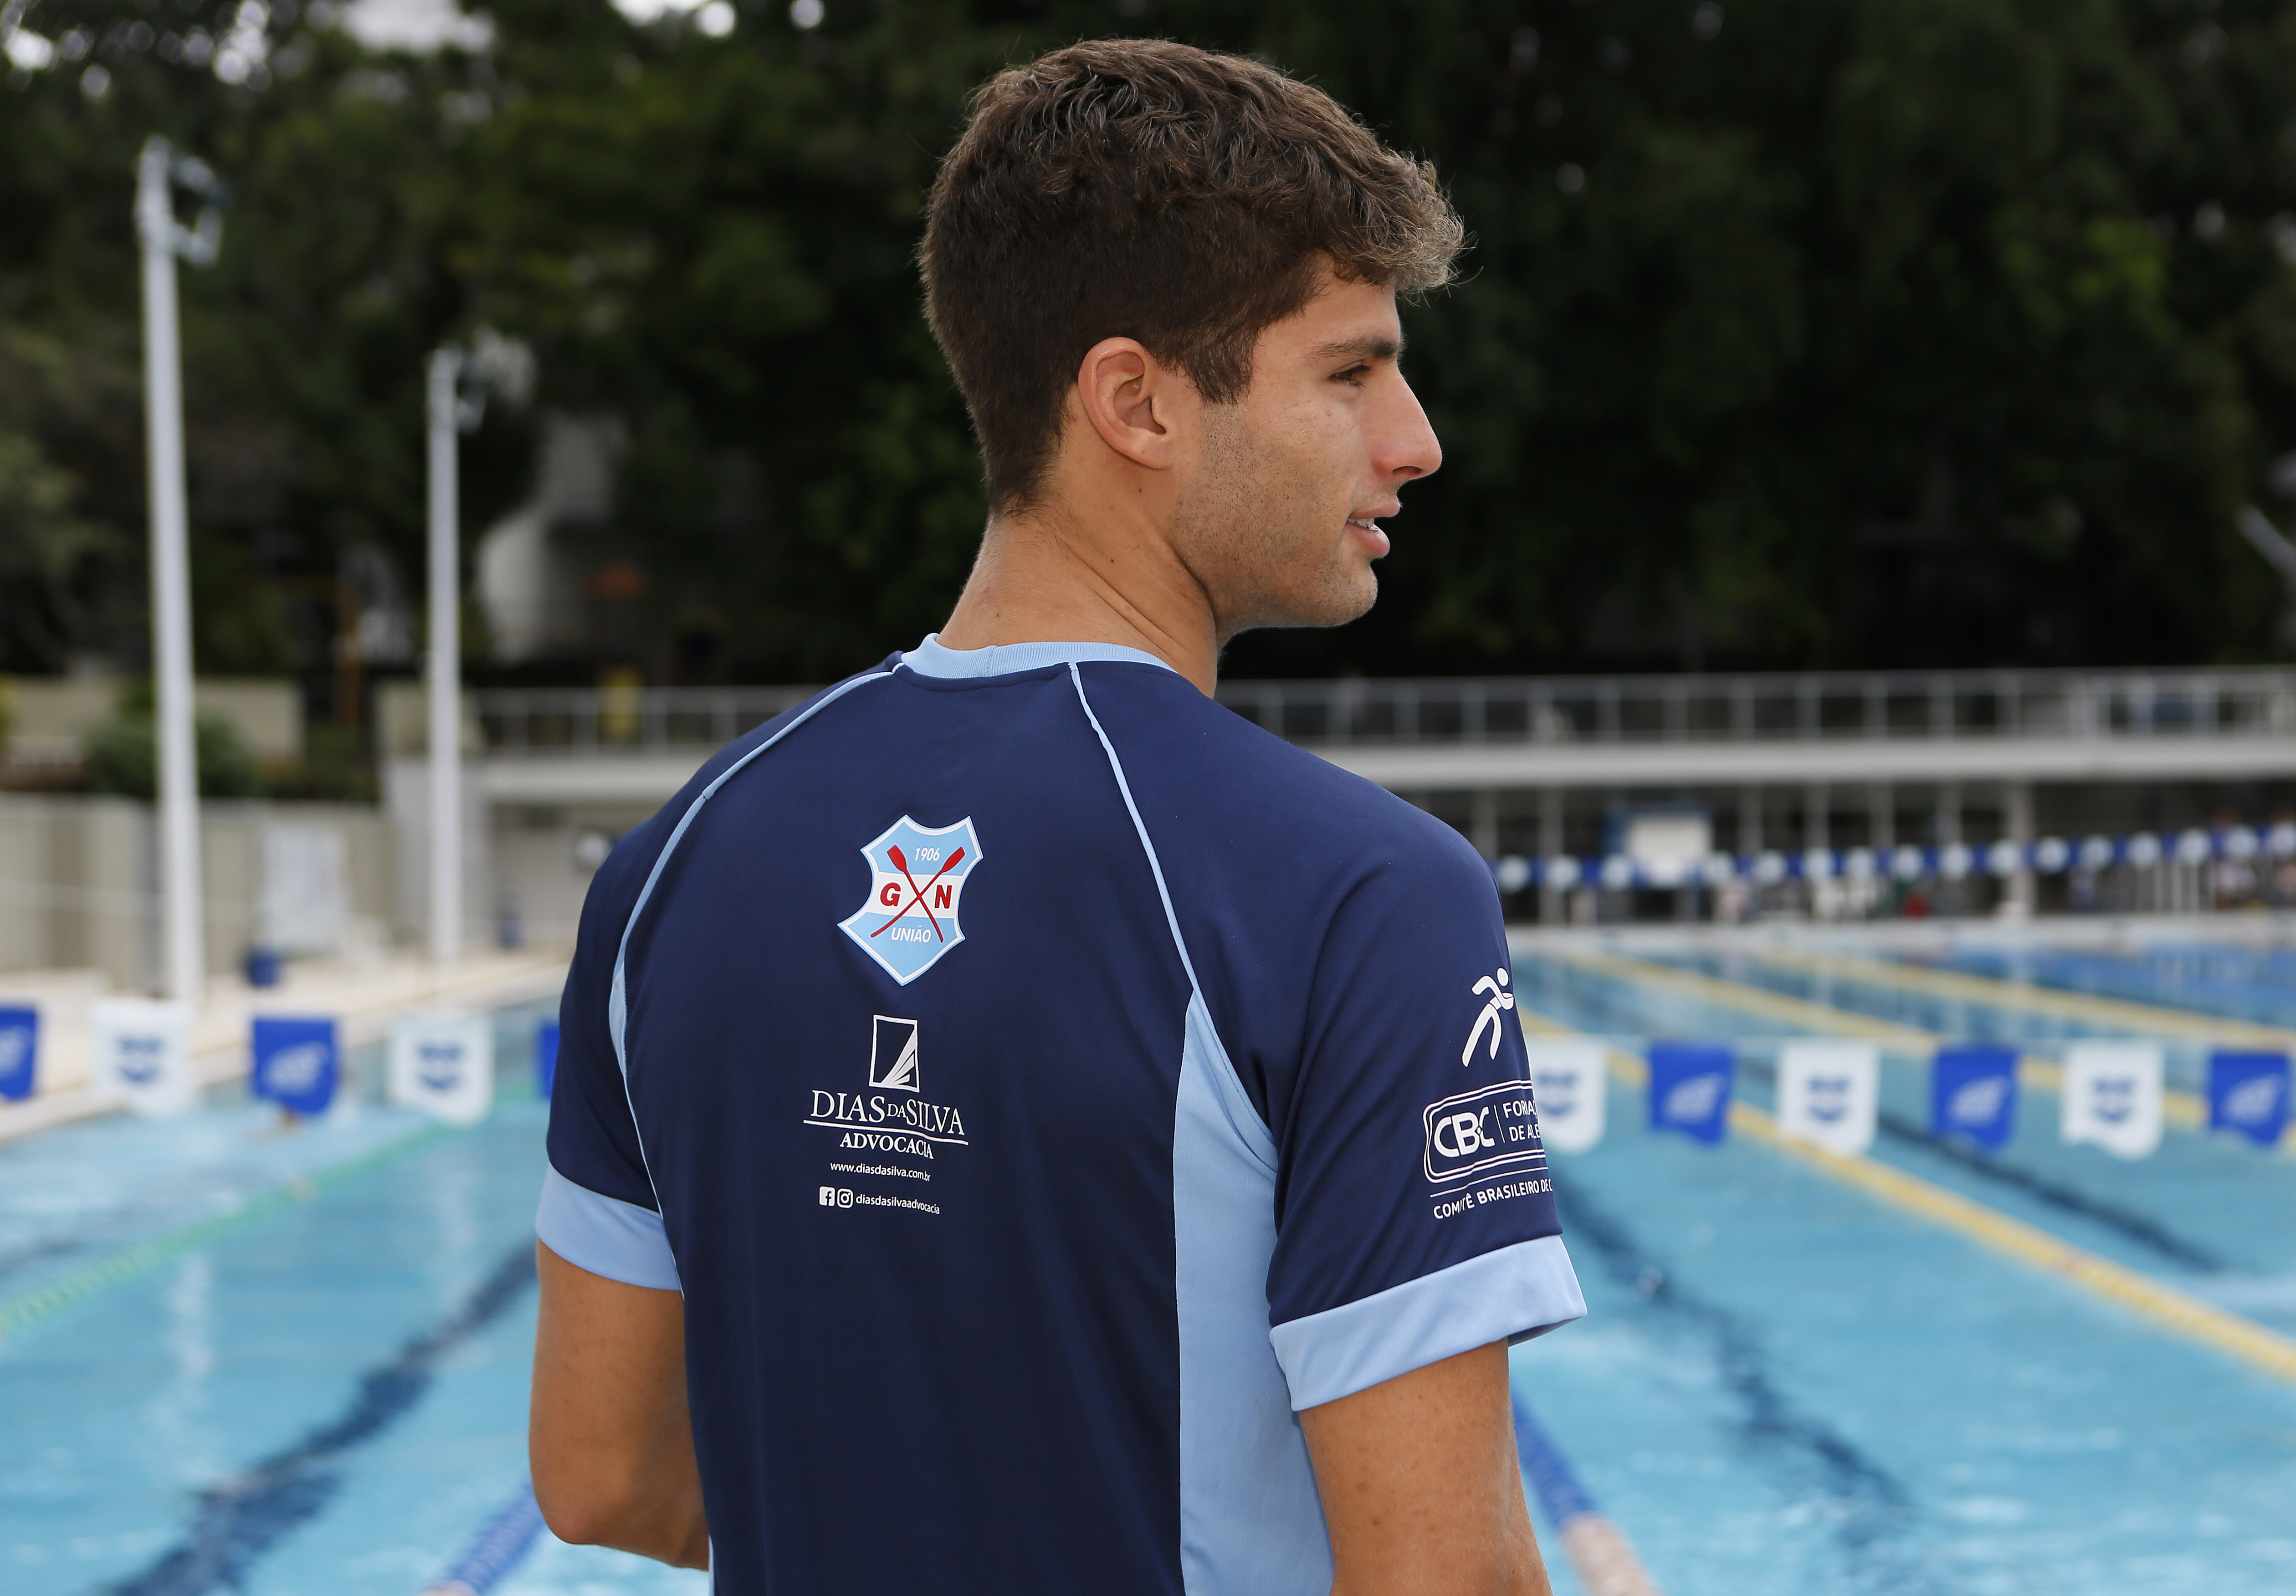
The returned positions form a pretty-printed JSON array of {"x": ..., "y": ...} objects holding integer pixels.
[{"x": 1354, "y": 375}]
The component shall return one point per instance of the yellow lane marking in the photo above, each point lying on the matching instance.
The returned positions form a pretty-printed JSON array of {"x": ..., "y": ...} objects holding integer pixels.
[
  {"x": 2164, "y": 1305},
  {"x": 2147, "y": 1019}
]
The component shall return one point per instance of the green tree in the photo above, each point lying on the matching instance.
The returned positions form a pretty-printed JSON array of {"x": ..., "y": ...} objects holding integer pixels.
[{"x": 1855, "y": 333}]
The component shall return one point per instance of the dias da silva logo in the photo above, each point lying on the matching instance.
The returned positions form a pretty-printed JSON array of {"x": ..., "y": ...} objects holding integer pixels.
[{"x": 916, "y": 889}]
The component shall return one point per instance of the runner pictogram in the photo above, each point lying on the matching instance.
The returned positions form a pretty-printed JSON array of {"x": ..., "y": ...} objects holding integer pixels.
[{"x": 917, "y": 875}]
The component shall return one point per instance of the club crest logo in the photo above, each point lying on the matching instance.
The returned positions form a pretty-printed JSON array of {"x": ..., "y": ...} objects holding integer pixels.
[{"x": 917, "y": 889}]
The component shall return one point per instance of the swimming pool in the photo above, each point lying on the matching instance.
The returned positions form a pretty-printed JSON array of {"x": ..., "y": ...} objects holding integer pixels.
[
  {"x": 313, "y": 1377},
  {"x": 296, "y": 1363}
]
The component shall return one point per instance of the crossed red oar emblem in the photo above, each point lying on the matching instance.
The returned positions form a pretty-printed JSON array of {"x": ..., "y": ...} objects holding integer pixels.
[{"x": 917, "y": 893}]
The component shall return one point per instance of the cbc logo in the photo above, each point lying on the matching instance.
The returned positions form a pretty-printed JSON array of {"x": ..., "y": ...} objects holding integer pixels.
[
  {"x": 1467, "y": 1133},
  {"x": 1492, "y": 1127},
  {"x": 836, "y": 1197}
]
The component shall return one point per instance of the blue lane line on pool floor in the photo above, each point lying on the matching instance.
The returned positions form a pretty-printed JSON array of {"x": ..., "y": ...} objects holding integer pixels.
[{"x": 242, "y": 1519}]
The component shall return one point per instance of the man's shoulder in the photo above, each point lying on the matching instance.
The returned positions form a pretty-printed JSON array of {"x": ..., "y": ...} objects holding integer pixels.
[
  {"x": 1229, "y": 783},
  {"x": 615, "y": 889}
]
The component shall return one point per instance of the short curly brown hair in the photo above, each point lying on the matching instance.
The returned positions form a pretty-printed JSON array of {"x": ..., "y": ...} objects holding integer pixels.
[{"x": 1146, "y": 189}]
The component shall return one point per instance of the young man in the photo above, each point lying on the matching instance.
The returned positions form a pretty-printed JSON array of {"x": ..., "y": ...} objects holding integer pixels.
[{"x": 1020, "y": 1127}]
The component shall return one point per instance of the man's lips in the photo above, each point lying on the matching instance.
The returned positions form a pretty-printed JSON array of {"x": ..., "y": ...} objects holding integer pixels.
[{"x": 1369, "y": 531}]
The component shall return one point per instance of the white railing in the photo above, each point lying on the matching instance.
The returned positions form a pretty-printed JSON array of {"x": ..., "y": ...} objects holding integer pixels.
[
  {"x": 1784, "y": 707},
  {"x": 583, "y": 720},
  {"x": 1832, "y": 706}
]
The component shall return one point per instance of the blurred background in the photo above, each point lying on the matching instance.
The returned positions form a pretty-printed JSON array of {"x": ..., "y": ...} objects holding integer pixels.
[
  {"x": 1796, "y": 338},
  {"x": 1854, "y": 621}
]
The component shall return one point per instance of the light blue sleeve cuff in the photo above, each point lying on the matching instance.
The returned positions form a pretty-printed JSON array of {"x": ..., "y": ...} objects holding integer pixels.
[
  {"x": 608, "y": 1237},
  {"x": 1510, "y": 1296}
]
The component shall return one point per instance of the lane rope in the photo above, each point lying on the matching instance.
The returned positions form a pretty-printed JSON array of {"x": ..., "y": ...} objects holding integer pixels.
[
  {"x": 1606, "y": 1561},
  {"x": 2154, "y": 1019},
  {"x": 28, "y": 1308},
  {"x": 500, "y": 1544}
]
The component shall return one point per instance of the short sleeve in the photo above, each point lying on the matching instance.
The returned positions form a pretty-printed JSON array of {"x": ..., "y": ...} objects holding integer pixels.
[
  {"x": 1414, "y": 1212},
  {"x": 598, "y": 1210}
]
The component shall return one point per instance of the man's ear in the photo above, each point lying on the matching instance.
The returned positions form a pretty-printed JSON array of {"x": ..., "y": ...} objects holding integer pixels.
[{"x": 1132, "y": 401}]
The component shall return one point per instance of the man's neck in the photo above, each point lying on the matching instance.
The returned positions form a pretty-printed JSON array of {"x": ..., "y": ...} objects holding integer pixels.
[{"x": 1044, "y": 578}]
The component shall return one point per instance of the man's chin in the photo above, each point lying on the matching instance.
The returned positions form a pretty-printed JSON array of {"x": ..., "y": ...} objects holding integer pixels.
[{"x": 1332, "y": 606}]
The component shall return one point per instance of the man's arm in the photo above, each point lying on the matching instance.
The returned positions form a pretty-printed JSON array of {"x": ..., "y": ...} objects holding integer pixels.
[
  {"x": 1422, "y": 1491},
  {"x": 610, "y": 1439}
]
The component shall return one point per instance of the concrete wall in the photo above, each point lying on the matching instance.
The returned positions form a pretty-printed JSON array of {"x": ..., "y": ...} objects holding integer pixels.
[
  {"x": 48, "y": 716},
  {"x": 402, "y": 720},
  {"x": 528, "y": 857},
  {"x": 78, "y": 875}
]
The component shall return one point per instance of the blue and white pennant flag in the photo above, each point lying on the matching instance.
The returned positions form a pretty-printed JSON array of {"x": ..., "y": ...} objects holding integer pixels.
[
  {"x": 1829, "y": 1094},
  {"x": 2111, "y": 1096}
]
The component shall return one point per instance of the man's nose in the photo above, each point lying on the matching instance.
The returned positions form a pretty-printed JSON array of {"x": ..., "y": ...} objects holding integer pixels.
[{"x": 1406, "y": 448}]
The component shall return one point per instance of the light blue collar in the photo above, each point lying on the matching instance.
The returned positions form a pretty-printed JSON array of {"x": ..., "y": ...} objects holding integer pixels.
[{"x": 932, "y": 658}]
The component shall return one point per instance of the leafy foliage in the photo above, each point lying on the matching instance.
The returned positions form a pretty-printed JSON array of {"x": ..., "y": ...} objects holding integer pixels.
[
  {"x": 122, "y": 756},
  {"x": 1854, "y": 332}
]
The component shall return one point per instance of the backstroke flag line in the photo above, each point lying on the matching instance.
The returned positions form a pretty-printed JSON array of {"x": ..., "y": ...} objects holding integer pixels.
[
  {"x": 1829, "y": 1094},
  {"x": 1690, "y": 1088},
  {"x": 2248, "y": 1093},
  {"x": 1568, "y": 1089},
  {"x": 19, "y": 1051},
  {"x": 1973, "y": 1094},
  {"x": 444, "y": 1064},
  {"x": 2111, "y": 1096},
  {"x": 298, "y": 1062},
  {"x": 144, "y": 1051}
]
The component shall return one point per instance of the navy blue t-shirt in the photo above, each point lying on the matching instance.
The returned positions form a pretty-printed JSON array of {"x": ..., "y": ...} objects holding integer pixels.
[{"x": 1041, "y": 1082}]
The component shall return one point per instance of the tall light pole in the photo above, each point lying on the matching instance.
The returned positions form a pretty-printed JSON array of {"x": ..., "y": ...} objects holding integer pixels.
[
  {"x": 449, "y": 411},
  {"x": 163, "y": 239}
]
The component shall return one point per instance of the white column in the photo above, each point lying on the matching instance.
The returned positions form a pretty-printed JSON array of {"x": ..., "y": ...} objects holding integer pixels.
[
  {"x": 445, "y": 666},
  {"x": 182, "y": 952},
  {"x": 1483, "y": 822},
  {"x": 2019, "y": 803},
  {"x": 1550, "y": 843}
]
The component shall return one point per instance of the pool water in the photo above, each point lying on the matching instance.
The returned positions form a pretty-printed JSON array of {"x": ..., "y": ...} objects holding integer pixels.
[
  {"x": 324, "y": 1393},
  {"x": 1782, "y": 1385},
  {"x": 294, "y": 1363},
  {"x": 2241, "y": 983}
]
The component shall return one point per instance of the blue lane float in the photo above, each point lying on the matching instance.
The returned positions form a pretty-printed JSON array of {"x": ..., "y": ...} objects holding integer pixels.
[
  {"x": 1952, "y": 861},
  {"x": 500, "y": 1545},
  {"x": 1598, "y": 1550}
]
